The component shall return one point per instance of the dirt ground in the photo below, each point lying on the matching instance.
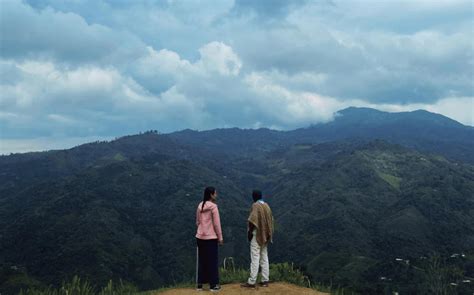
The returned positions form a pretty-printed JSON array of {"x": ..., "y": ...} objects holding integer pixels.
[{"x": 235, "y": 289}]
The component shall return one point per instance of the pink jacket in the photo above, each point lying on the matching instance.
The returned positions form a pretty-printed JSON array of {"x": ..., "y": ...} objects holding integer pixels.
[{"x": 208, "y": 222}]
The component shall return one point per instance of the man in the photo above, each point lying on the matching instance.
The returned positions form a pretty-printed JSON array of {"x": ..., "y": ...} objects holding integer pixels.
[{"x": 260, "y": 232}]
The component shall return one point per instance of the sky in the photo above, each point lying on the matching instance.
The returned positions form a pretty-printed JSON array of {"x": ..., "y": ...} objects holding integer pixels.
[{"x": 79, "y": 71}]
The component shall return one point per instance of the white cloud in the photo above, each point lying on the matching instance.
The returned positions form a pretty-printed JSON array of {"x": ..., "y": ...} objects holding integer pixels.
[
  {"x": 286, "y": 107},
  {"x": 84, "y": 94},
  {"x": 459, "y": 108},
  {"x": 163, "y": 61},
  {"x": 220, "y": 58}
]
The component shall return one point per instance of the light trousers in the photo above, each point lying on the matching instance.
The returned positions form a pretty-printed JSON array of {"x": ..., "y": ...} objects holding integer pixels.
[{"x": 259, "y": 257}]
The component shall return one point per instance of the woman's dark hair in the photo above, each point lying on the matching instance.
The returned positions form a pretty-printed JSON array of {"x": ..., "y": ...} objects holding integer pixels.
[
  {"x": 208, "y": 192},
  {"x": 256, "y": 195}
]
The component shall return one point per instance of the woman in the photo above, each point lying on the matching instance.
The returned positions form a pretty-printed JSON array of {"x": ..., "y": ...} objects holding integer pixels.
[{"x": 208, "y": 235}]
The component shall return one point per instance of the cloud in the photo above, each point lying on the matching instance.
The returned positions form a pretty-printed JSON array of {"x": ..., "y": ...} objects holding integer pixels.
[
  {"x": 26, "y": 33},
  {"x": 378, "y": 66},
  {"x": 100, "y": 100},
  {"x": 459, "y": 108},
  {"x": 266, "y": 9},
  {"x": 159, "y": 70},
  {"x": 289, "y": 108},
  {"x": 106, "y": 68},
  {"x": 8, "y": 146},
  {"x": 401, "y": 16},
  {"x": 220, "y": 58}
]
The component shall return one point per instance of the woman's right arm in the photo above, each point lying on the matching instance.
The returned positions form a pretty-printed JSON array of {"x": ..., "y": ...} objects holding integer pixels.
[{"x": 197, "y": 216}]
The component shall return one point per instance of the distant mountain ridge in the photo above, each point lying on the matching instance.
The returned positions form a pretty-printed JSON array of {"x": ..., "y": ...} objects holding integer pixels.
[
  {"x": 369, "y": 113},
  {"x": 420, "y": 129}
]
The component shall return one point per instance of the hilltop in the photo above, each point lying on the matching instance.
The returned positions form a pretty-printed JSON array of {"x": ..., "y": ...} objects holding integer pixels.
[{"x": 235, "y": 289}]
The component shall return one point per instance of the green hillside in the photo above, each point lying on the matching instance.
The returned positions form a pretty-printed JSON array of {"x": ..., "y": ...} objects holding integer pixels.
[{"x": 345, "y": 211}]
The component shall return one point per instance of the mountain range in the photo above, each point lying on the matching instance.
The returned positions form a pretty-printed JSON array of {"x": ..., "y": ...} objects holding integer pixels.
[{"x": 350, "y": 197}]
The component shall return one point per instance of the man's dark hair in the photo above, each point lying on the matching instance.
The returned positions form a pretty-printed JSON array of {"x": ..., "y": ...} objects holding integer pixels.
[{"x": 256, "y": 195}]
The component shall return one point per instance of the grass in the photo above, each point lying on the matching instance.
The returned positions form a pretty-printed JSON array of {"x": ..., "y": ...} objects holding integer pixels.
[
  {"x": 77, "y": 286},
  {"x": 119, "y": 157},
  {"x": 281, "y": 272},
  {"x": 391, "y": 179}
]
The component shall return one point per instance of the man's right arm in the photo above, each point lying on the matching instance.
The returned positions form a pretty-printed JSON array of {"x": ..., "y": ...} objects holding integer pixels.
[{"x": 251, "y": 227}]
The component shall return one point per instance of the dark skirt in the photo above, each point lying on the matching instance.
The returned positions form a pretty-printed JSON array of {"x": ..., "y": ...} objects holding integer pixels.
[{"x": 208, "y": 264}]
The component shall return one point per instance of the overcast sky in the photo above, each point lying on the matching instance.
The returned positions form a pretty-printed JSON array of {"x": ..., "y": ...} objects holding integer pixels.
[{"x": 76, "y": 71}]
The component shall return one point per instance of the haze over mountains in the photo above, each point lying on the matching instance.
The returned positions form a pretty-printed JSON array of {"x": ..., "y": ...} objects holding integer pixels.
[{"x": 349, "y": 197}]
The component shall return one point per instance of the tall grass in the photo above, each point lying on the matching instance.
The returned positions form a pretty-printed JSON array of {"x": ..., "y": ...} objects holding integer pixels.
[
  {"x": 281, "y": 272},
  {"x": 77, "y": 286}
]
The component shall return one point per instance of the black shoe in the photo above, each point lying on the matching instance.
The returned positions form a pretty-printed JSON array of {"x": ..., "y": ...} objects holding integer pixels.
[
  {"x": 247, "y": 285},
  {"x": 199, "y": 287},
  {"x": 263, "y": 284},
  {"x": 216, "y": 288}
]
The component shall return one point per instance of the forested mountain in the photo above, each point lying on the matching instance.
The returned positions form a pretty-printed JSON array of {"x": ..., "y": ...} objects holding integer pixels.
[
  {"x": 419, "y": 129},
  {"x": 347, "y": 204},
  {"x": 364, "y": 208}
]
